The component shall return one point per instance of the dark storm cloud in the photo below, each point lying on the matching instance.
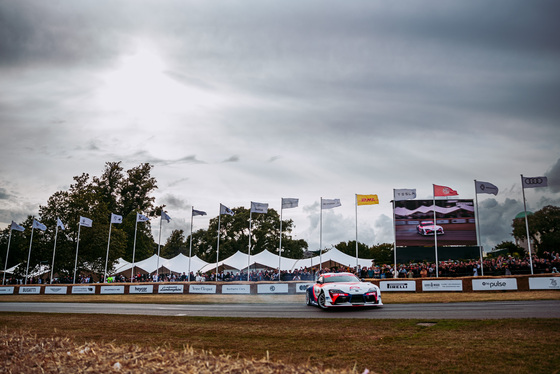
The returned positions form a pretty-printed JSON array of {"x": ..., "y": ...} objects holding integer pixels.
[
  {"x": 67, "y": 33},
  {"x": 496, "y": 220},
  {"x": 553, "y": 176},
  {"x": 4, "y": 195}
]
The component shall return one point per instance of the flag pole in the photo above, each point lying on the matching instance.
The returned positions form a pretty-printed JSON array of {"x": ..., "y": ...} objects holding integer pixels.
[
  {"x": 321, "y": 236},
  {"x": 77, "y": 245},
  {"x": 356, "y": 204},
  {"x": 107, "y": 256},
  {"x": 395, "y": 237},
  {"x": 435, "y": 231},
  {"x": 280, "y": 245},
  {"x": 54, "y": 251},
  {"x": 218, "y": 247},
  {"x": 159, "y": 246},
  {"x": 134, "y": 249},
  {"x": 190, "y": 246},
  {"x": 29, "y": 255},
  {"x": 249, "y": 250},
  {"x": 527, "y": 226},
  {"x": 478, "y": 230},
  {"x": 7, "y": 253}
]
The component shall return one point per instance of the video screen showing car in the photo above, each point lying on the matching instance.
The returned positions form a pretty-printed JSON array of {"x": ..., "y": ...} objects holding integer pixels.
[{"x": 454, "y": 225}]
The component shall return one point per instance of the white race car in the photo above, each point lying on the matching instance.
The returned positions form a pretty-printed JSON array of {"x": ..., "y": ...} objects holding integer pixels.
[
  {"x": 342, "y": 290},
  {"x": 428, "y": 228}
]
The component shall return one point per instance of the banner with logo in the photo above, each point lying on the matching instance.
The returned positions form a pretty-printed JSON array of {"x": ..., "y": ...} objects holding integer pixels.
[
  {"x": 30, "y": 290},
  {"x": 56, "y": 290},
  {"x": 141, "y": 289},
  {"x": 83, "y": 289},
  {"x": 545, "y": 283},
  {"x": 442, "y": 285},
  {"x": 503, "y": 284},
  {"x": 236, "y": 289},
  {"x": 6, "y": 290},
  {"x": 112, "y": 290},
  {"x": 398, "y": 286},
  {"x": 302, "y": 287},
  {"x": 171, "y": 288},
  {"x": 272, "y": 288},
  {"x": 202, "y": 288}
]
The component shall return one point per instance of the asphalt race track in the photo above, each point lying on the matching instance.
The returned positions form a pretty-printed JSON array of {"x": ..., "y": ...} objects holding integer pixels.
[{"x": 468, "y": 310}]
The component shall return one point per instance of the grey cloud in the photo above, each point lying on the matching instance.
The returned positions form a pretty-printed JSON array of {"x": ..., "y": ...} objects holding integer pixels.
[
  {"x": 234, "y": 158},
  {"x": 553, "y": 175},
  {"x": 4, "y": 195},
  {"x": 173, "y": 202}
]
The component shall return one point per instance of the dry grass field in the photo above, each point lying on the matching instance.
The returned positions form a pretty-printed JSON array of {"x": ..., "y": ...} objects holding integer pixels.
[{"x": 63, "y": 343}]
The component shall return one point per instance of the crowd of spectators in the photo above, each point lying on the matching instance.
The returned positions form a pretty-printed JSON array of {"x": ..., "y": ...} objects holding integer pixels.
[{"x": 500, "y": 266}]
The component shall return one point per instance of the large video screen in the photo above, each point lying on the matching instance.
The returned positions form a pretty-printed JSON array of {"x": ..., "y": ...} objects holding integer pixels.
[{"x": 455, "y": 222}]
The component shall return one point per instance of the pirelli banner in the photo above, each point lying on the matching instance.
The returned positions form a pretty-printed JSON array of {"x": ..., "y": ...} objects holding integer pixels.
[{"x": 396, "y": 285}]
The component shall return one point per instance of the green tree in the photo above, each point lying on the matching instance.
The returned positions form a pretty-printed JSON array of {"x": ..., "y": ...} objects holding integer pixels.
[
  {"x": 174, "y": 245},
  {"x": 509, "y": 248},
  {"x": 97, "y": 199},
  {"x": 383, "y": 253},
  {"x": 544, "y": 229},
  {"x": 350, "y": 249},
  {"x": 234, "y": 236}
]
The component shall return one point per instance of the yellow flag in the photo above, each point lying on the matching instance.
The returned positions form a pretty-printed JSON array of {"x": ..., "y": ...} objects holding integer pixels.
[{"x": 367, "y": 199}]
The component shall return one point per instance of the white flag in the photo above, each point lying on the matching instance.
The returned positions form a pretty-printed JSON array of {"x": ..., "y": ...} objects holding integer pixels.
[
  {"x": 15, "y": 226},
  {"x": 289, "y": 203},
  {"x": 259, "y": 207},
  {"x": 86, "y": 222},
  {"x": 225, "y": 210},
  {"x": 60, "y": 224},
  {"x": 330, "y": 203},
  {"x": 532, "y": 182},
  {"x": 165, "y": 216},
  {"x": 39, "y": 225},
  {"x": 485, "y": 187},
  {"x": 141, "y": 218},
  {"x": 115, "y": 218},
  {"x": 405, "y": 194}
]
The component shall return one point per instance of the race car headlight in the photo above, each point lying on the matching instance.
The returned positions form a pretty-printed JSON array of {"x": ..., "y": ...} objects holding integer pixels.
[{"x": 337, "y": 293}]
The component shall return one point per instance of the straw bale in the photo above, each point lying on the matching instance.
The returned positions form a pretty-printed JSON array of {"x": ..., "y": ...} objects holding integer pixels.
[{"x": 22, "y": 352}]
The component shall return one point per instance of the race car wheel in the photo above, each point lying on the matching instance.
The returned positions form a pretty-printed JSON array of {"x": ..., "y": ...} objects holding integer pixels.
[
  {"x": 307, "y": 299},
  {"x": 321, "y": 300}
]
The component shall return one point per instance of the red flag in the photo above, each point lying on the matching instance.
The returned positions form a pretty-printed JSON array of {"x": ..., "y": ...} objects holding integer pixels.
[{"x": 444, "y": 191}]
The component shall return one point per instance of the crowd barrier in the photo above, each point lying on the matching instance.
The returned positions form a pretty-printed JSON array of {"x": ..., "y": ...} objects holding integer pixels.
[{"x": 468, "y": 284}]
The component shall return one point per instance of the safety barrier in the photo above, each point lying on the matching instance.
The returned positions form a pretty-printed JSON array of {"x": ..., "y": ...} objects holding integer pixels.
[{"x": 468, "y": 284}]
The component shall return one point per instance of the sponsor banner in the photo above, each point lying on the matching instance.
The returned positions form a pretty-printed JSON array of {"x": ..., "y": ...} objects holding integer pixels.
[
  {"x": 170, "y": 288},
  {"x": 107, "y": 290},
  {"x": 30, "y": 290},
  {"x": 442, "y": 285},
  {"x": 6, "y": 290},
  {"x": 398, "y": 286},
  {"x": 202, "y": 288},
  {"x": 56, "y": 290},
  {"x": 148, "y": 288},
  {"x": 83, "y": 289},
  {"x": 272, "y": 288},
  {"x": 544, "y": 283},
  {"x": 236, "y": 288},
  {"x": 302, "y": 287},
  {"x": 503, "y": 284}
]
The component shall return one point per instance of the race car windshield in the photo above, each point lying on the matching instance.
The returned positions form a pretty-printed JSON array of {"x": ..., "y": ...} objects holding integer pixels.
[{"x": 341, "y": 278}]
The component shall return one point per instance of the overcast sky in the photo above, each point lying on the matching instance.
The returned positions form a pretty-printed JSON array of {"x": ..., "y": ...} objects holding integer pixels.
[{"x": 255, "y": 100}]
